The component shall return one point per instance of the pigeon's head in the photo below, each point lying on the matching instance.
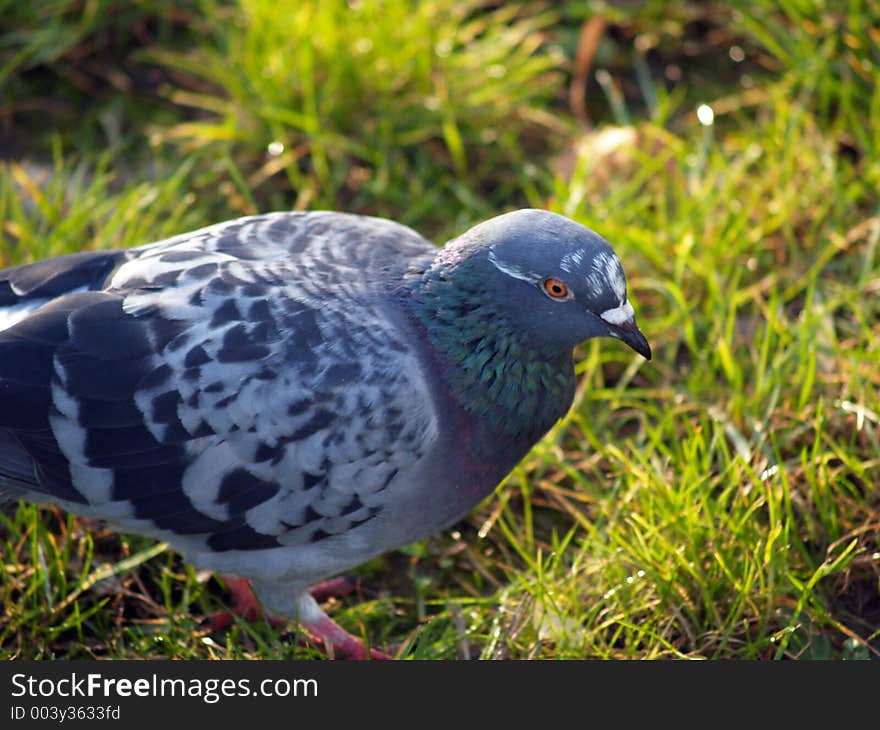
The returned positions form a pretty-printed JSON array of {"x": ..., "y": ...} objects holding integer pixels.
[{"x": 557, "y": 282}]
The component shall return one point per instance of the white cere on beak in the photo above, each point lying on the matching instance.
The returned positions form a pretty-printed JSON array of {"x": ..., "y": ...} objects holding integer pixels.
[{"x": 618, "y": 315}]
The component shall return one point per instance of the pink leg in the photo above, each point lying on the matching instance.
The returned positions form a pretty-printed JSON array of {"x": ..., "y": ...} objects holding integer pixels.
[
  {"x": 317, "y": 624},
  {"x": 334, "y": 587},
  {"x": 335, "y": 639},
  {"x": 244, "y": 604}
]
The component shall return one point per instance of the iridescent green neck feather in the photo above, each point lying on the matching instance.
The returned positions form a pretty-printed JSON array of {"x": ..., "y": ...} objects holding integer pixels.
[{"x": 493, "y": 372}]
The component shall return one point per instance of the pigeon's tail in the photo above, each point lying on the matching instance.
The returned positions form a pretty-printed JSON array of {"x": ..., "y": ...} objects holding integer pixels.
[
  {"x": 31, "y": 465},
  {"x": 23, "y": 477},
  {"x": 17, "y": 478},
  {"x": 26, "y": 288}
]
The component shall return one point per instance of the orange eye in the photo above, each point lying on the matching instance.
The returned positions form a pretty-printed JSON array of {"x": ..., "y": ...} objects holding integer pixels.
[{"x": 556, "y": 288}]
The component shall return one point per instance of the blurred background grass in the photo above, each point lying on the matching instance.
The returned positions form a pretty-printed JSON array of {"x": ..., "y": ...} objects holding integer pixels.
[{"x": 720, "y": 501}]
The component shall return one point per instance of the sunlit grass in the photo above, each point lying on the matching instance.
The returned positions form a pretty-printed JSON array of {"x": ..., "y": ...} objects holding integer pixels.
[
  {"x": 720, "y": 501},
  {"x": 396, "y": 108}
]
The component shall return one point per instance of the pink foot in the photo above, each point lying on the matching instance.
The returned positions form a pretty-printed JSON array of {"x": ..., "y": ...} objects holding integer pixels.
[
  {"x": 244, "y": 605},
  {"x": 333, "y": 588},
  {"x": 334, "y": 638},
  {"x": 319, "y": 627}
]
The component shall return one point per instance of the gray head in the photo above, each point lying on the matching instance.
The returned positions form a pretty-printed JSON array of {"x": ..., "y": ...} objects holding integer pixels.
[{"x": 556, "y": 281}]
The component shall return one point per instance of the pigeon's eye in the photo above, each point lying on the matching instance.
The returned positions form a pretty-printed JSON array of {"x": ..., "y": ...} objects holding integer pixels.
[{"x": 555, "y": 289}]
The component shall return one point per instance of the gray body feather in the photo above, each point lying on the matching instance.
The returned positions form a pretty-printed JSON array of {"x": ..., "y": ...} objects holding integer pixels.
[{"x": 245, "y": 388}]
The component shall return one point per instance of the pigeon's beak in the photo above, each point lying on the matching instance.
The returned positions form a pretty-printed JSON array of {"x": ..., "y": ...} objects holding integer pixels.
[{"x": 629, "y": 333}]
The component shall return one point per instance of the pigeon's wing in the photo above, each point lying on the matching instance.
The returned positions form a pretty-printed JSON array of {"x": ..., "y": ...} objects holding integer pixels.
[{"x": 243, "y": 387}]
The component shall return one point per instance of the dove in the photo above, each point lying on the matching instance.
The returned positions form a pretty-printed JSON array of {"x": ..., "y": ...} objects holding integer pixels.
[{"x": 282, "y": 397}]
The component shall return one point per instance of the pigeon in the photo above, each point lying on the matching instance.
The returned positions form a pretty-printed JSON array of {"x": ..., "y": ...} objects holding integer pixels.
[{"x": 282, "y": 397}]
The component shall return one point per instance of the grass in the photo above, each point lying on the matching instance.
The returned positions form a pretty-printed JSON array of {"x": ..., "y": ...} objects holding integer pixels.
[{"x": 719, "y": 502}]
